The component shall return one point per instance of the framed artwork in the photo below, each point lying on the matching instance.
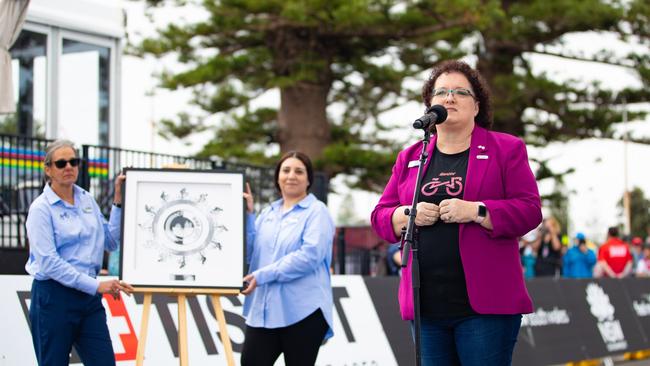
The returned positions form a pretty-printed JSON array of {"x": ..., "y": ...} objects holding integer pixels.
[{"x": 183, "y": 228}]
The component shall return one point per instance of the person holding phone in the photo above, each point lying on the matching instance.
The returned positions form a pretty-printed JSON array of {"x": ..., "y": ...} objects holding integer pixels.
[
  {"x": 67, "y": 238},
  {"x": 548, "y": 247},
  {"x": 288, "y": 306}
]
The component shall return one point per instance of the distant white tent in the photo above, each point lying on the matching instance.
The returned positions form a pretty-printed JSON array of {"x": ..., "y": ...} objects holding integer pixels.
[{"x": 12, "y": 18}]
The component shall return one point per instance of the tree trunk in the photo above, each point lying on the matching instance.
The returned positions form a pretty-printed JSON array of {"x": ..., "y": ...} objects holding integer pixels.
[
  {"x": 302, "y": 119},
  {"x": 496, "y": 64}
]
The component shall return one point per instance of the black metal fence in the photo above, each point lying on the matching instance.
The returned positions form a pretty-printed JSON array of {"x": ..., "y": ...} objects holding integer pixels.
[
  {"x": 358, "y": 250},
  {"x": 22, "y": 178}
]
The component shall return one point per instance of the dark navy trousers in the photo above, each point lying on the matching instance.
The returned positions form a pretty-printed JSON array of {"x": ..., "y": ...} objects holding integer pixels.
[{"x": 62, "y": 317}]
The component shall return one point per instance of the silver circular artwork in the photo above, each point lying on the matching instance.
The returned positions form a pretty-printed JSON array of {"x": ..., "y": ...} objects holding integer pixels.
[{"x": 182, "y": 227}]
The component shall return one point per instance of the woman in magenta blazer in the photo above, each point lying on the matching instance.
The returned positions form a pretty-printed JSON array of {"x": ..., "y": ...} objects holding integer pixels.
[{"x": 477, "y": 195}]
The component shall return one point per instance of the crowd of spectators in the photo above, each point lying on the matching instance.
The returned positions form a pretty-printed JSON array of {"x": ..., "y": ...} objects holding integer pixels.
[{"x": 545, "y": 252}]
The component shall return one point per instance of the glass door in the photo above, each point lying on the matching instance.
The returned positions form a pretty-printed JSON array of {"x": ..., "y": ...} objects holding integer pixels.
[
  {"x": 29, "y": 61},
  {"x": 85, "y": 90}
]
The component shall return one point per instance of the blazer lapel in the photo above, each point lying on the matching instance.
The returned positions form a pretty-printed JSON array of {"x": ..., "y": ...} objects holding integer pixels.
[
  {"x": 479, "y": 159},
  {"x": 415, "y": 156},
  {"x": 430, "y": 148}
]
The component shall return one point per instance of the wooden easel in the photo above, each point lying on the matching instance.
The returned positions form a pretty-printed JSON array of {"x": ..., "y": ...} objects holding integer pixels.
[{"x": 182, "y": 294}]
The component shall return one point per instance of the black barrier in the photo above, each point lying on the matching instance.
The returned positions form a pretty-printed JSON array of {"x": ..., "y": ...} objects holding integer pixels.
[
  {"x": 573, "y": 319},
  {"x": 584, "y": 319},
  {"x": 547, "y": 336}
]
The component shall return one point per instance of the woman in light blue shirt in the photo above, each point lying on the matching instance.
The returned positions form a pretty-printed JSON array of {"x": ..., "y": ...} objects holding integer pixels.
[
  {"x": 288, "y": 307},
  {"x": 67, "y": 238}
]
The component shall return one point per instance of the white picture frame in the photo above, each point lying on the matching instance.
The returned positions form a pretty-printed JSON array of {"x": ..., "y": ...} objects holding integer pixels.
[{"x": 183, "y": 229}]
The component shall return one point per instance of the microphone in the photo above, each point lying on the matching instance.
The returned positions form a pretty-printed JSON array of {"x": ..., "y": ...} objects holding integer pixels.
[{"x": 435, "y": 114}]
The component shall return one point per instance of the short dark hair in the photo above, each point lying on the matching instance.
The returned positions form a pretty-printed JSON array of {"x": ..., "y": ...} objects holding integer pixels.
[
  {"x": 479, "y": 86},
  {"x": 613, "y": 232},
  {"x": 300, "y": 156}
]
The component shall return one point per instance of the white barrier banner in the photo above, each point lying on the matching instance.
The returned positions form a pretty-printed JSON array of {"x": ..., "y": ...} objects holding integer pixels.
[{"x": 359, "y": 337}]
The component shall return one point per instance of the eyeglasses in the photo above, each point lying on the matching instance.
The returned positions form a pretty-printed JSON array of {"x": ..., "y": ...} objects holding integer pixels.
[
  {"x": 442, "y": 93},
  {"x": 61, "y": 163}
]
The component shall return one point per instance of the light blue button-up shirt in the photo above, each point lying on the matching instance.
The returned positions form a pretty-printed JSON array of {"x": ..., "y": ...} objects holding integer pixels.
[
  {"x": 290, "y": 255},
  {"x": 67, "y": 242}
]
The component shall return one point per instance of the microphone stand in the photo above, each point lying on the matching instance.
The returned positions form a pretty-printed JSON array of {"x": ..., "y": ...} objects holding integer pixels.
[{"x": 410, "y": 243}]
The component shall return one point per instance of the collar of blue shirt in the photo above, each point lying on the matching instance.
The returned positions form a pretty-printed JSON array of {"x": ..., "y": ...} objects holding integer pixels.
[
  {"x": 304, "y": 203},
  {"x": 53, "y": 198}
]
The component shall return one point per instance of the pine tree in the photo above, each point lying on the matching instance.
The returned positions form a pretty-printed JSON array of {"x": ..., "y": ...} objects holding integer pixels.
[{"x": 365, "y": 57}]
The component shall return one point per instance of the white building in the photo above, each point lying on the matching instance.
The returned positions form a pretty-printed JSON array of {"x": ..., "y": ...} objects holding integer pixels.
[{"x": 66, "y": 71}]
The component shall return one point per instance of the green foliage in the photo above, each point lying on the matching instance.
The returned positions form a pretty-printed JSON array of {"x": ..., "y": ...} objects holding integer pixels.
[
  {"x": 369, "y": 56},
  {"x": 639, "y": 212},
  {"x": 9, "y": 124},
  {"x": 258, "y": 127},
  {"x": 551, "y": 111},
  {"x": 367, "y": 166},
  {"x": 180, "y": 129}
]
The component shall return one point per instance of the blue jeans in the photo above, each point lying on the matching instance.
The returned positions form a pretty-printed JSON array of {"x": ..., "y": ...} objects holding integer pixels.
[
  {"x": 477, "y": 340},
  {"x": 61, "y": 317}
]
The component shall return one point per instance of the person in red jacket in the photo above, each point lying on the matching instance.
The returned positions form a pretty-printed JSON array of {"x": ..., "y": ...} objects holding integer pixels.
[{"x": 614, "y": 257}]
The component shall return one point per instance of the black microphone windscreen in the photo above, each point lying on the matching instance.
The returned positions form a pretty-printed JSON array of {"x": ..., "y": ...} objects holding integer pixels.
[{"x": 440, "y": 111}]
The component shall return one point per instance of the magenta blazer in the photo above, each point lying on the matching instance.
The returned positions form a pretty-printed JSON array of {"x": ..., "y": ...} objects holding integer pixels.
[{"x": 498, "y": 175}]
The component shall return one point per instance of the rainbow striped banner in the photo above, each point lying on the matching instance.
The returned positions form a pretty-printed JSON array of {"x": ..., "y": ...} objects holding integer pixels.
[
  {"x": 98, "y": 168},
  {"x": 33, "y": 159},
  {"x": 21, "y": 158}
]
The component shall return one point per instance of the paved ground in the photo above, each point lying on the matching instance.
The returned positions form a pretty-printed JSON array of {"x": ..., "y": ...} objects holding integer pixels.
[{"x": 634, "y": 363}]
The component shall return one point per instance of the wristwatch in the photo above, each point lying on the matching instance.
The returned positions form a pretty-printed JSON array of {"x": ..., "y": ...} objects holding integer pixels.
[
  {"x": 118, "y": 205},
  {"x": 481, "y": 214}
]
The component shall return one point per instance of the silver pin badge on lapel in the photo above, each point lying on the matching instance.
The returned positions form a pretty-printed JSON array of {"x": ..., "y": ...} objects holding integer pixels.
[
  {"x": 481, "y": 156},
  {"x": 413, "y": 163}
]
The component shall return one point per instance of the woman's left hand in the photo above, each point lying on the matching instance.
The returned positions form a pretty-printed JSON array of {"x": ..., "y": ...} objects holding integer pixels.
[
  {"x": 252, "y": 284},
  {"x": 248, "y": 196},
  {"x": 119, "y": 180},
  {"x": 457, "y": 211}
]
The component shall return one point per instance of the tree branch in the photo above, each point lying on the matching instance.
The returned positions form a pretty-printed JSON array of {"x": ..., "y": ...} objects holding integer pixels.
[
  {"x": 278, "y": 23},
  {"x": 579, "y": 58},
  {"x": 636, "y": 140}
]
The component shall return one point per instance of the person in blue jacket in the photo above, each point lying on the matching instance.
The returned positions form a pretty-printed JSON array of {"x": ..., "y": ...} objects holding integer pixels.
[
  {"x": 67, "y": 238},
  {"x": 579, "y": 261},
  {"x": 289, "y": 305}
]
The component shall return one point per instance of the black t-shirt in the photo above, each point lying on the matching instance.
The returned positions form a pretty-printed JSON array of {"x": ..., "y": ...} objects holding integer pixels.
[{"x": 443, "y": 290}]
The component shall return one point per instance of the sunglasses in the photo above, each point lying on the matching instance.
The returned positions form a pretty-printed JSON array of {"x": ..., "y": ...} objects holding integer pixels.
[{"x": 61, "y": 163}]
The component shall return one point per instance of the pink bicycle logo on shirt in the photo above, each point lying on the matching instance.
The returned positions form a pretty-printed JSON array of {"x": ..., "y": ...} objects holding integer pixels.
[{"x": 453, "y": 186}]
